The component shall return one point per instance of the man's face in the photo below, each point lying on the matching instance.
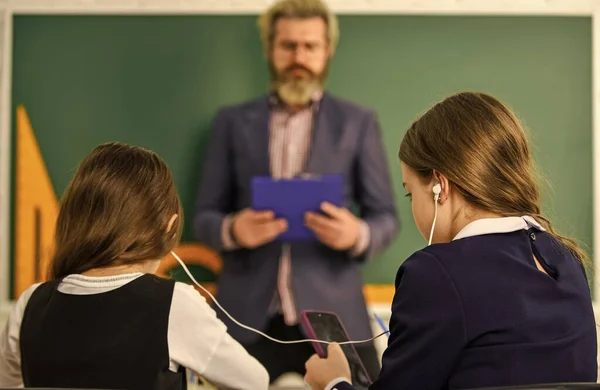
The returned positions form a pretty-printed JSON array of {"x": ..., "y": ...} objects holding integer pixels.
[{"x": 299, "y": 57}]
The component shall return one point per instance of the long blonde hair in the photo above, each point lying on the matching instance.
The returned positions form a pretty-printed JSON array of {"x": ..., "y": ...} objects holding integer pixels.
[{"x": 481, "y": 147}]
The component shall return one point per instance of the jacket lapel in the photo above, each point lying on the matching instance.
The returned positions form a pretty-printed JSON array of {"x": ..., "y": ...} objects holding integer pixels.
[
  {"x": 325, "y": 139},
  {"x": 257, "y": 134}
]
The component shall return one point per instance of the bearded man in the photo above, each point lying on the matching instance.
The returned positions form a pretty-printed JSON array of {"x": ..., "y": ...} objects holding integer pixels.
[{"x": 296, "y": 128}]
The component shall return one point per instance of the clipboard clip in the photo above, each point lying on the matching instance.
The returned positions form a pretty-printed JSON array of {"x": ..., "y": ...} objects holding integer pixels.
[{"x": 308, "y": 176}]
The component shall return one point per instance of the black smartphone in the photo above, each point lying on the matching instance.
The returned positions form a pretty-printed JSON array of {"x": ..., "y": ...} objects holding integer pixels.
[{"x": 328, "y": 327}]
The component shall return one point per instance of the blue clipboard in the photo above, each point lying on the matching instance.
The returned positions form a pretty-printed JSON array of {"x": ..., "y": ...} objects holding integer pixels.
[{"x": 291, "y": 198}]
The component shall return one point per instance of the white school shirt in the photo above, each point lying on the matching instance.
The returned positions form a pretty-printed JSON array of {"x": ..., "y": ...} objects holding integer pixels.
[{"x": 196, "y": 338}]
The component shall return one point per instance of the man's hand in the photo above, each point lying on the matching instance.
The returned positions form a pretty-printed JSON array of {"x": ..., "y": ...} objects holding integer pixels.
[
  {"x": 338, "y": 229},
  {"x": 251, "y": 229},
  {"x": 320, "y": 372}
]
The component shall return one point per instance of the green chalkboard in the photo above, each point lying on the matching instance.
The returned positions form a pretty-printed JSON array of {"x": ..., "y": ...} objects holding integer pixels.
[{"x": 157, "y": 81}]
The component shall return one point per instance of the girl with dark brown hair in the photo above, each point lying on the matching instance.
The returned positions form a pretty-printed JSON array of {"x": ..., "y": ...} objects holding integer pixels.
[{"x": 104, "y": 320}]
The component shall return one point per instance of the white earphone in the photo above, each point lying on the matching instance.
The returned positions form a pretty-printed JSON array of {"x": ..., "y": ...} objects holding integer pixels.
[{"x": 437, "y": 189}]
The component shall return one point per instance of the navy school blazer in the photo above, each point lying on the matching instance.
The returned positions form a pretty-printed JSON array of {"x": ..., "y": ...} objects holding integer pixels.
[{"x": 476, "y": 312}]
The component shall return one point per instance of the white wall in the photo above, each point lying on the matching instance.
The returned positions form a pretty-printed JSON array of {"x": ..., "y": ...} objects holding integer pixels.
[{"x": 354, "y": 6}]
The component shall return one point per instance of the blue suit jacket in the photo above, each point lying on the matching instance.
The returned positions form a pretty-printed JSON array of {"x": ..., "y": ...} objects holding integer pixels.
[
  {"x": 477, "y": 313},
  {"x": 346, "y": 140}
]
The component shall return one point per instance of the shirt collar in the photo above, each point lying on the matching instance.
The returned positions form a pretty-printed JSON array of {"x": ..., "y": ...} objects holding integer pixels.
[{"x": 498, "y": 225}]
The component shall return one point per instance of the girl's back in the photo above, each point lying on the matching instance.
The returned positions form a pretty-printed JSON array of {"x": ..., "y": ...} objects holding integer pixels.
[
  {"x": 111, "y": 339},
  {"x": 521, "y": 324}
]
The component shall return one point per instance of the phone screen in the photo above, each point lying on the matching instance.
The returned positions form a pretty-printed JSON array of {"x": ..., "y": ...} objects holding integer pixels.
[{"x": 327, "y": 327}]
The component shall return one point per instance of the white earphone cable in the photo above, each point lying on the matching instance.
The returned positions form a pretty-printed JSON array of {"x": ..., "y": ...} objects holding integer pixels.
[
  {"x": 189, "y": 274},
  {"x": 434, "y": 218}
]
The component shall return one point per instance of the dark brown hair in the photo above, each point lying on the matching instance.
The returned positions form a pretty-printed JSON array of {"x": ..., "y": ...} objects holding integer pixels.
[
  {"x": 116, "y": 211},
  {"x": 480, "y": 146}
]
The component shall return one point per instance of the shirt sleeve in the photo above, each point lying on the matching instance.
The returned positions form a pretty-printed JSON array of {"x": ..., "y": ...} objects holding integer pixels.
[
  {"x": 364, "y": 239},
  {"x": 10, "y": 349},
  {"x": 427, "y": 327},
  {"x": 199, "y": 341},
  {"x": 229, "y": 243}
]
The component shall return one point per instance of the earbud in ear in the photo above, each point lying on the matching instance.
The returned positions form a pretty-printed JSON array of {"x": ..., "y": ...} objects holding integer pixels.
[{"x": 437, "y": 189}]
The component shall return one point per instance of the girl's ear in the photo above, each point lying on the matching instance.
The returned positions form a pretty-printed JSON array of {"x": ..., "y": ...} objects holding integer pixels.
[{"x": 443, "y": 181}]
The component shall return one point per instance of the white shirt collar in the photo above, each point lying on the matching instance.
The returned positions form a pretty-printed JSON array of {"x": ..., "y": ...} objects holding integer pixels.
[
  {"x": 77, "y": 284},
  {"x": 498, "y": 225}
]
